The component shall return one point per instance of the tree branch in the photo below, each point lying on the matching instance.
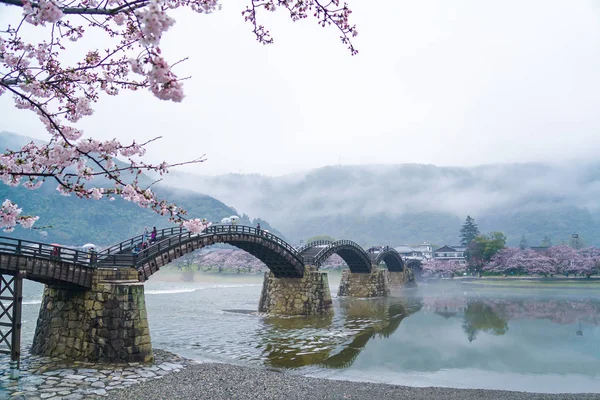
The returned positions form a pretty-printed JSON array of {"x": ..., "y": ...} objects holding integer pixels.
[{"x": 87, "y": 10}]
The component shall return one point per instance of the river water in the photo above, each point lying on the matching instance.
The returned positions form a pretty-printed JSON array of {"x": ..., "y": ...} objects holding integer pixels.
[{"x": 444, "y": 334}]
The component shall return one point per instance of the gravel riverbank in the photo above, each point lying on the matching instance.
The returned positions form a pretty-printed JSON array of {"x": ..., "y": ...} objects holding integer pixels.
[{"x": 224, "y": 382}]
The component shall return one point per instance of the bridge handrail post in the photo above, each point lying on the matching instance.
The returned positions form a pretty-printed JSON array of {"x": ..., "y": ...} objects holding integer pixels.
[{"x": 19, "y": 246}]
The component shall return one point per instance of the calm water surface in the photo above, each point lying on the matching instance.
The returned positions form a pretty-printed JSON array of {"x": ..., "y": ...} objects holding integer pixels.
[{"x": 444, "y": 334}]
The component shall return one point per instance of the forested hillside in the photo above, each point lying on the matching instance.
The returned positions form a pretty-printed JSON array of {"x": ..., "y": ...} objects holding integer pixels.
[
  {"x": 410, "y": 203},
  {"x": 73, "y": 221}
]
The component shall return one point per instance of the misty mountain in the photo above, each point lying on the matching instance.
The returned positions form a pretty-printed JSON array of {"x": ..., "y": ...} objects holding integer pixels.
[
  {"x": 73, "y": 221},
  {"x": 411, "y": 203}
]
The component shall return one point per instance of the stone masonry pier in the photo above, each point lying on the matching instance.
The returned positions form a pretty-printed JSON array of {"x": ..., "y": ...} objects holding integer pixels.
[
  {"x": 373, "y": 284},
  {"x": 106, "y": 323},
  {"x": 405, "y": 278},
  {"x": 308, "y": 295}
]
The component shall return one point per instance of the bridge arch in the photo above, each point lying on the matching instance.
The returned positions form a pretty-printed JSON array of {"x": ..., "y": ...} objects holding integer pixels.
[
  {"x": 280, "y": 257},
  {"x": 416, "y": 266},
  {"x": 352, "y": 253},
  {"x": 392, "y": 259},
  {"x": 313, "y": 244},
  {"x": 311, "y": 249}
]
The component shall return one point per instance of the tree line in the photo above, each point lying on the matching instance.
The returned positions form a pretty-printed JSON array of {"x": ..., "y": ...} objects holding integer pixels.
[{"x": 488, "y": 253}]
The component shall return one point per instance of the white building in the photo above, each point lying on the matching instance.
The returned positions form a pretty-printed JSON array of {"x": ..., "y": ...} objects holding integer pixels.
[
  {"x": 409, "y": 252},
  {"x": 423, "y": 251},
  {"x": 451, "y": 253},
  {"x": 426, "y": 249}
]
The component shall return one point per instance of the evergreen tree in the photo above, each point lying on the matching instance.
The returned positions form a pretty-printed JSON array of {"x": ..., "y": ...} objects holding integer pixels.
[
  {"x": 547, "y": 241},
  {"x": 523, "y": 243},
  {"x": 468, "y": 231}
]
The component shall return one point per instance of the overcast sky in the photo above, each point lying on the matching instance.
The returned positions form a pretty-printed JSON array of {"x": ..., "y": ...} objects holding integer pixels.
[{"x": 440, "y": 82}]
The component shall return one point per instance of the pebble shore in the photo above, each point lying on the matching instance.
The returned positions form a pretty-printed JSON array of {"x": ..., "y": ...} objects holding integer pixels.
[
  {"x": 174, "y": 377},
  {"x": 224, "y": 382},
  {"x": 52, "y": 378}
]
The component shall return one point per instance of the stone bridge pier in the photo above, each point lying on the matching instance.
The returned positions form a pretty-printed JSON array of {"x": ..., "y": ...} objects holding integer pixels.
[
  {"x": 106, "y": 323},
  {"x": 405, "y": 278},
  {"x": 371, "y": 284},
  {"x": 308, "y": 295}
]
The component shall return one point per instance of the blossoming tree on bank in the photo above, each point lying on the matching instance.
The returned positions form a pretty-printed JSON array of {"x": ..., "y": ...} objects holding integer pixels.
[
  {"x": 441, "y": 268},
  {"x": 556, "y": 260},
  {"x": 41, "y": 79}
]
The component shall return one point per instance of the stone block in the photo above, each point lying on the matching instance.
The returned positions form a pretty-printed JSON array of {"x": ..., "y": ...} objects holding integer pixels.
[
  {"x": 308, "y": 295},
  {"x": 364, "y": 285},
  {"x": 87, "y": 325}
]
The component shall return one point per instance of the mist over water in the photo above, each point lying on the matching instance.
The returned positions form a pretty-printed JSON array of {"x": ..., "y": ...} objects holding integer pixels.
[
  {"x": 410, "y": 203},
  {"x": 440, "y": 334}
]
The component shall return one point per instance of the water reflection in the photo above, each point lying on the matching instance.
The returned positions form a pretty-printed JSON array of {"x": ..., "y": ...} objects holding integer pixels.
[
  {"x": 481, "y": 317},
  {"x": 333, "y": 342},
  {"x": 492, "y": 315},
  {"x": 447, "y": 334}
]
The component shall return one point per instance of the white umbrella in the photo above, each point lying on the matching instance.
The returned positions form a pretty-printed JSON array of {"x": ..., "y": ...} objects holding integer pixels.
[
  {"x": 88, "y": 246},
  {"x": 226, "y": 221},
  {"x": 234, "y": 217}
]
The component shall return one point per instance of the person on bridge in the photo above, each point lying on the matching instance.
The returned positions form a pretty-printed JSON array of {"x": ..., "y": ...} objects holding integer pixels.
[
  {"x": 136, "y": 249},
  {"x": 153, "y": 235},
  {"x": 258, "y": 228}
]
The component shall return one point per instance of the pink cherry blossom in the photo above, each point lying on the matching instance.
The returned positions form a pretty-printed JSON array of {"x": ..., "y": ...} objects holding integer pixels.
[
  {"x": 37, "y": 70},
  {"x": 196, "y": 225},
  {"x": 437, "y": 268},
  {"x": 555, "y": 260}
]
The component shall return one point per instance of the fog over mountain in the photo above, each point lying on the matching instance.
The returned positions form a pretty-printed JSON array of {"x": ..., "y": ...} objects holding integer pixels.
[{"x": 409, "y": 203}]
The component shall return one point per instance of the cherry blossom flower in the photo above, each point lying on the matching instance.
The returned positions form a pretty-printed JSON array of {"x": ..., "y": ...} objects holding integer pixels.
[{"x": 42, "y": 77}]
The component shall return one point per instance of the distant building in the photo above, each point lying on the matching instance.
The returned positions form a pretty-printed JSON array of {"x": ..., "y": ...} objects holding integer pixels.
[
  {"x": 426, "y": 249},
  {"x": 451, "y": 253},
  {"x": 409, "y": 252}
]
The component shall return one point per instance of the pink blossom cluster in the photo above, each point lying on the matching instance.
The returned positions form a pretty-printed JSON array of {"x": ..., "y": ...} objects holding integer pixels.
[
  {"x": 441, "y": 268},
  {"x": 334, "y": 262},
  {"x": 10, "y": 216},
  {"x": 231, "y": 259},
  {"x": 555, "y": 260},
  {"x": 196, "y": 225},
  {"x": 42, "y": 78},
  {"x": 44, "y": 11}
]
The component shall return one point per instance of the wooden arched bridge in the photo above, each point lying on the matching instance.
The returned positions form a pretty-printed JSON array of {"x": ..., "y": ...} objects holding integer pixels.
[
  {"x": 56, "y": 265},
  {"x": 103, "y": 290}
]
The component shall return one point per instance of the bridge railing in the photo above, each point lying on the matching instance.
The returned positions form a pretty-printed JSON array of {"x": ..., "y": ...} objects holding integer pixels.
[
  {"x": 29, "y": 248},
  {"x": 321, "y": 242},
  {"x": 163, "y": 245},
  {"x": 343, "y": 242},
  {"x": 213, "y": 229},
  {"x": 131, "y": 242},
  {"x": 131, "y": 260}
]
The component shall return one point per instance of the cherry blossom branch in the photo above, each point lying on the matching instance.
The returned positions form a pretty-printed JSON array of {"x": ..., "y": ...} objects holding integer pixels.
[
  {"x": 61, "y": 93},
  {"x": 329, "y": 14},
  {"x": 83, "y": 10}
]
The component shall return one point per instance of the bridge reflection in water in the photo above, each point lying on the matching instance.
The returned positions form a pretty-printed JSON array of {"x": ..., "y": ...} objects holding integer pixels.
[
  {"x": 102, "y": 315},
  {"x": 333, "y": 342}
]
